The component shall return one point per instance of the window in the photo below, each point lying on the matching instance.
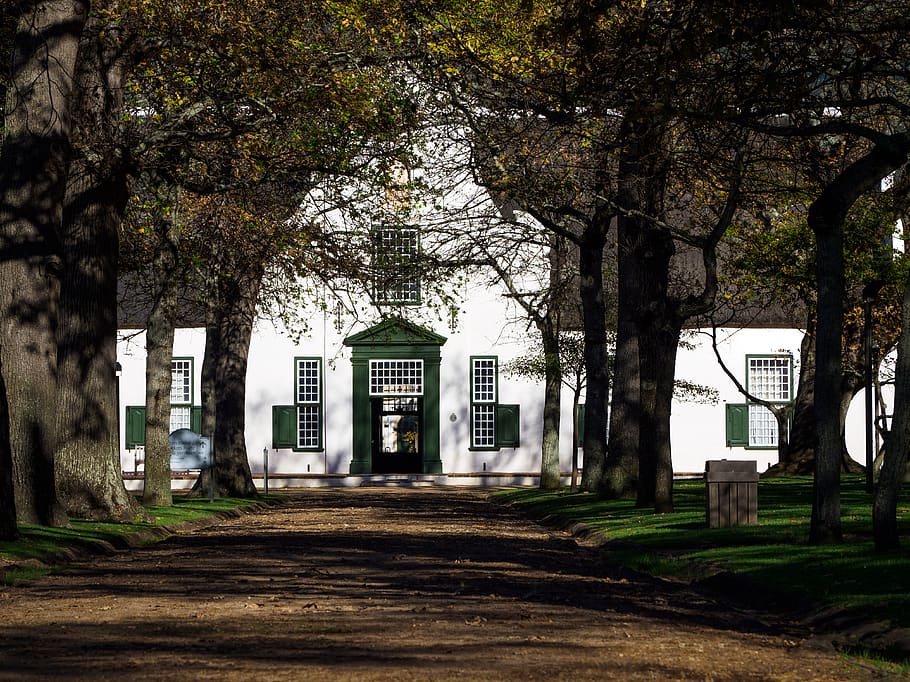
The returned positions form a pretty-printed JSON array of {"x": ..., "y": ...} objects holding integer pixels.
[
  {"x": 395, "y": 258},
  {"x": 396, "y": 377},
  {"x": 184, "y": 415},
  {"x": 493, "y": 425},
  {"x": 483, "y": 402},
  {"x": 181, "y": 394},
  {"x": 309, "y": 403},
  {"x": 770, "y": 378}
]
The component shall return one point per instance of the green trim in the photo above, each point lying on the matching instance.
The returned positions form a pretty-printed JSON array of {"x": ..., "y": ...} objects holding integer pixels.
[
  {"x": 508, "y": 426},
  {"x": 196, "y": 419},
  {"x": 134, "y": 423},
  {"x": 394, "y": 339},
  {"x": 395, "y": 331},
  {"x": 771, "y": 356},
  {"x": 736, "y": 417},
  {"x": 284, "y": 426}
]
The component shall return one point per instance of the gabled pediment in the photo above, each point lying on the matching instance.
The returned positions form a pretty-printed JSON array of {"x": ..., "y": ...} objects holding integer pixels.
[{"x": 395, "y": 332}]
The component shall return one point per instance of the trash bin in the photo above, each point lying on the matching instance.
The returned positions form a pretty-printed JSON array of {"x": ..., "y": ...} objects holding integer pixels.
[{"x": 731, "y": 492}]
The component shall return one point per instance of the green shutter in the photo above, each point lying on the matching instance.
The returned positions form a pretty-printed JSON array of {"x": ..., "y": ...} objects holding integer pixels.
[
  {"x": 196, "y": 419},
  {"x": 508, "y": 426},
  {"x": 737, "y": 425},
  {"x": 284, "y": 426},
  {"x": 135, "y": 426}
]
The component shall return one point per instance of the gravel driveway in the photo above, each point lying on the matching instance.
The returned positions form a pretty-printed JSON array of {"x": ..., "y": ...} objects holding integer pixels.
[{"x": 386, "y": 584}]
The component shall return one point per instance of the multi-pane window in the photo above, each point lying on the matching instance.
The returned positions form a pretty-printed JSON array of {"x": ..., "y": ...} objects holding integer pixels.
[
  {"x": 309, "y": 403},
  {"x": 762, "y": 427},
  {"x": 769, "y": 378},
  {"x": 396, "y": 377},
  {"x": 181, "y": 394},
  {"x": 397, "y": 273},
  {"x": 483, "y": 402}
]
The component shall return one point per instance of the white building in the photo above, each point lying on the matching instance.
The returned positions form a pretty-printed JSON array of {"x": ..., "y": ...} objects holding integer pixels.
[{"x": 458, "y": 415}]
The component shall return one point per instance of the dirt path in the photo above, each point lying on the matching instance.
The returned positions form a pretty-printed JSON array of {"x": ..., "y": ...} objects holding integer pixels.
[{"x": 384, "y": 584}]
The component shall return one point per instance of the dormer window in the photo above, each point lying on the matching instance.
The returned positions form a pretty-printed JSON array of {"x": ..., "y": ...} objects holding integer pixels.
[{"x": 395, "y": 261}]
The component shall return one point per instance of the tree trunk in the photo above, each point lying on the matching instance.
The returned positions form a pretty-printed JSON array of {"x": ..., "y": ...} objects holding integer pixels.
[
  {"x": 799, "y": 456},
  {"x": 576, "y": 399},
  {"x": 549, "y": 462},
  {"x": 658, "y": 370},
  {"x": 36, "y": 154},
  {"x": 620, "y": 475},
  {"x": 159, "y": 348},
  {"x": 891, "y": 474},
  {"x": 658, "y": 342},
  {"x": 826, "y": 523},
  {"x": 8, "y": 526},
  {"x": 88, "y": 473},
  {"x": 238, "y": 298},
  {"x": 88, "y": 470},
  {"x": 207, "y": 379},
  {"x": 826, "y": 219},
  {"x": 597, "y": 368}
]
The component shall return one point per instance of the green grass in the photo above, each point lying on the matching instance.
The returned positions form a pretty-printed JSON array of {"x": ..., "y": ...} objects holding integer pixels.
[
  {"x": 38, "y": 542},
  {"x": 773, "y": 555}
]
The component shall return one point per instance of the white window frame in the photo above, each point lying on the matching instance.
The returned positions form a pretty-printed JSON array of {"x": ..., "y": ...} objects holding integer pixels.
[
  {"x": 182, "y": 389},
  {"x": 396, "y": 376},
  {"x": 308, "y": 397},
  {"x": 770, "y": 378},
  {"x": 484, "y": 391}
]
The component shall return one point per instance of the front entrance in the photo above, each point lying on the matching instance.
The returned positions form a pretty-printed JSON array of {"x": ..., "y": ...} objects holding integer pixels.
[
  {"x": 397, "y": 435},
  {"x": 395, "y": 399}
]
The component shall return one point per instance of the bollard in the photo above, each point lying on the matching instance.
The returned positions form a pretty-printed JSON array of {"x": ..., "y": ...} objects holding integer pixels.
[{"x": 265, "y": 469}]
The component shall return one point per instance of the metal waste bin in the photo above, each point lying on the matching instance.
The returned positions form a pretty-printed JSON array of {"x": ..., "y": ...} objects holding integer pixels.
[{"x": 731, "y": 492}]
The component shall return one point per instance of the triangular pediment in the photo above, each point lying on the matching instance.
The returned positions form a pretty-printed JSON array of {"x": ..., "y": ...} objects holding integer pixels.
[{"x": 395, "y": 332}]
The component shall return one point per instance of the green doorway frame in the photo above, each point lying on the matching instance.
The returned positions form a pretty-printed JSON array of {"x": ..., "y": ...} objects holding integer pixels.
[{"x": 394, "y": 339}]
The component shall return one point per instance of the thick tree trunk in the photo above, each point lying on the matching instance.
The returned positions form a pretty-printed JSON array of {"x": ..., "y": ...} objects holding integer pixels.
[
  {"x": 36, "y": 153},
  {"x": 549, "y": 462},
  {"x": 826, "y": 523},
  {"x": 826, "y": 219},
  {"x": 620, "y": 474},
  {"x": 238, "y": 297},
  {"x": 799, "y": 456},
  {"x": 159, "y": 347},
  {"x": 891, "y": 474},
  {"x": 659, "y": 338},
  {"x": 88, "y": 470},
  {"x": 658, "y": 370},
  {"x": 597, "y": 367}
]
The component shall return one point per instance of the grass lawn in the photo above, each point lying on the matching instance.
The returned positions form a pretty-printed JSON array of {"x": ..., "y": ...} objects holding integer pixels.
[
  {"x": 774, "y": 554},
  {"x": 38, "y": 542}
]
